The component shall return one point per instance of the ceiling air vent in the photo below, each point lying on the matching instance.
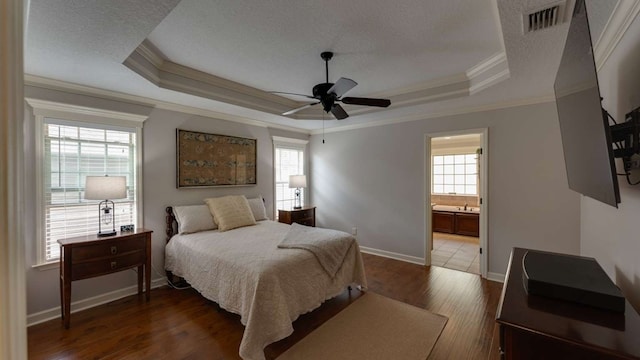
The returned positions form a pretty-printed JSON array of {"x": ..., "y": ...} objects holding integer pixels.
[{"x": 543, "y": 19}]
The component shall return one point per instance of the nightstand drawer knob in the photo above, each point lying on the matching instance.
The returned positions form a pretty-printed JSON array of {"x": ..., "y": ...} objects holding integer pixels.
[
  {"x": 114, "y": 250},
  {"x": 113, "y": 265}
]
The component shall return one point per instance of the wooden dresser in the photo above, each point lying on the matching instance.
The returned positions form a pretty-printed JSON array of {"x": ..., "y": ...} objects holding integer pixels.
[
  {"x": 304, "y": 216},
  {"x": 89, "y": 256},
  {"x": 535, "y": 327}
]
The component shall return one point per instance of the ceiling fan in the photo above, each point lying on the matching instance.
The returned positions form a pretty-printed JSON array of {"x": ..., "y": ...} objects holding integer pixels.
[{"x": 328, "y": 94}]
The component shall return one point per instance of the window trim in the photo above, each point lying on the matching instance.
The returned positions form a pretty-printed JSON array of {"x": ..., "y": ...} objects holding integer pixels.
[
  {"x": 78, "y": 116},
  {"x": 290, "y": 143}
]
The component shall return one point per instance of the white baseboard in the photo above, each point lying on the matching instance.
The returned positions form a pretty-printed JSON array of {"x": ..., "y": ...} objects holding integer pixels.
[
  {"x": 392, "y": 255},
  {"x": 495, "y": 277},
  {"x": 84, "y": 304}
]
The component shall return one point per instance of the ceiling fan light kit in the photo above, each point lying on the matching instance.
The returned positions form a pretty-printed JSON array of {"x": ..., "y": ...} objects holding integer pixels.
[{"x": 328, "y": 94}]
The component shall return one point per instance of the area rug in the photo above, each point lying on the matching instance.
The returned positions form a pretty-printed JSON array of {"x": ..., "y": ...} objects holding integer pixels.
[{"x": 373, "y": 327}]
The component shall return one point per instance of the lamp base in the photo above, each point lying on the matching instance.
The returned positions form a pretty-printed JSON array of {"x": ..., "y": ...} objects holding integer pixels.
[
  {"x": 103, "y": 234},
  {"x": 297, "y": 207}
]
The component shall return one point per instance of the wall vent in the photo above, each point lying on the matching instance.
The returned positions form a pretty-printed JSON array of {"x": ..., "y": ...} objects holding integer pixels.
[{"x": 545, "y": 18}]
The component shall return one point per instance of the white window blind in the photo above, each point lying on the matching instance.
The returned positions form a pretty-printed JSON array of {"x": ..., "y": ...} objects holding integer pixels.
[
  {"x": 289, "y": 160},
  {"x": 455, "y": 174},
  {"x": 71, "y": 153}
]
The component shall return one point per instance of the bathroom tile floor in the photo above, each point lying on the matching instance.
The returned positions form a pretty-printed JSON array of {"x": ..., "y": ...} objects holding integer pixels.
[{"x": 456, "y": 252}]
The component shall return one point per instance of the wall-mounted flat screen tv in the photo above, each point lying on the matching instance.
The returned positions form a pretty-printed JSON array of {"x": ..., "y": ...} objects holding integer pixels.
[{"x": 584, "y": 126}]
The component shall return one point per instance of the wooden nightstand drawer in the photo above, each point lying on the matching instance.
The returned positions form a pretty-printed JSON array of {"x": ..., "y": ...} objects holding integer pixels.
[
  {"x": 108, "y": 248},
  {"x": 302, "y": 215},
  {"x": 305, "y": 216},
  {"x": 305, "y": 221},
  {"x": 103, "y": 266}
]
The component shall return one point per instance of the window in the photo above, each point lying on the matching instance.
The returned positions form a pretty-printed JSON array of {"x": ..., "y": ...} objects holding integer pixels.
[
  {"x": 455, "y": 174},
  {"x": 289, "y": 159},
  {"x": 70, "y": 150}
]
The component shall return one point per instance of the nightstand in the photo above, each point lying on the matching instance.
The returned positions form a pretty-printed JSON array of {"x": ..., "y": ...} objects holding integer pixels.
[
  {"x": 89, "y": 256},
  {"x": 304, "y": 216}
]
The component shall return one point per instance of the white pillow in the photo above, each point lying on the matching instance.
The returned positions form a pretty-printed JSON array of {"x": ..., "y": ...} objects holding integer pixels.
[
  {"x": 257, "y": 208},
  {"x": 231, "y": 212},
  {"x": 193, "y": 218}
]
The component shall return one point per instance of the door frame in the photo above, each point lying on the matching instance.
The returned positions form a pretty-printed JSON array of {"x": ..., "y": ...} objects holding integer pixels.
[
  {"x": 483, "y": 193},
  {"x": 13, "y": 298}
]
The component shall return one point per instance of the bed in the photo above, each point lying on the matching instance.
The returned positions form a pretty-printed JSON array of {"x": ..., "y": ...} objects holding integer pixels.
[{"x": 245, "y": 272}]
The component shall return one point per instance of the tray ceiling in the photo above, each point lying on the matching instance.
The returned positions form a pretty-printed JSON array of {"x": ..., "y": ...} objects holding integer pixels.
[{"x": 225, "y": 56}]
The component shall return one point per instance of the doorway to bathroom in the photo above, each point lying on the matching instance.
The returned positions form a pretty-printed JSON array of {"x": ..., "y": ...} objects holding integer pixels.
[{"x": 456, "y": 207}]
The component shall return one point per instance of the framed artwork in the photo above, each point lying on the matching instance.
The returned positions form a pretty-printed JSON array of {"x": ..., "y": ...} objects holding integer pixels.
[{"x": 214, "y": 160}]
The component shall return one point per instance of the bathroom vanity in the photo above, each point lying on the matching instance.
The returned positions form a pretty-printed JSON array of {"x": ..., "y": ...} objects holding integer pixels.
[{"x": 456, "y": 220}]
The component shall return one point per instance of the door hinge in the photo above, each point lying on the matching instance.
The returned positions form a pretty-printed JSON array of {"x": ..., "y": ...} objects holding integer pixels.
[
  {"x": 479, "y": 151},
  {"x": 480, "y": 201},
  {"x": 480, "y": 251}
]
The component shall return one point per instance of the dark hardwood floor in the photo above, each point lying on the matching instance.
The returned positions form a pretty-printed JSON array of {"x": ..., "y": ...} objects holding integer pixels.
[{"x": 181, "y": 324}]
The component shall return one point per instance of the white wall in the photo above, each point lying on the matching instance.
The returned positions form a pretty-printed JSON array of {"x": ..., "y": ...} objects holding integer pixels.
[
  {"x": 373, "y": 179},
  {"x": 159, "y": 188},
  {"x": 608, "y": 234},
  {"x": 159, "y": 167}
]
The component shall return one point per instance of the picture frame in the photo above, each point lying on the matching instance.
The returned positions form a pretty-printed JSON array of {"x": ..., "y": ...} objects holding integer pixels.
[{"x": 210, "y": 160}]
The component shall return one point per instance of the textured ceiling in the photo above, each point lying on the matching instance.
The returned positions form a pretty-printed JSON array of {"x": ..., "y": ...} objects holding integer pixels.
[
  {"x": 70, "y": 35},
  {"x": 383, "y": 45},
  {"x": 275, "y": 45}
]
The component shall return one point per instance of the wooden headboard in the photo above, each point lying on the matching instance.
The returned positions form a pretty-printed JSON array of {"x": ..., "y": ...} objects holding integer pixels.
[{"x": 171, "y": 223}]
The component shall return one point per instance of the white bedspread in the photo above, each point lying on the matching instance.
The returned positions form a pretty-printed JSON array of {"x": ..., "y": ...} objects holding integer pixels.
[{"x": 245, "y": 273}]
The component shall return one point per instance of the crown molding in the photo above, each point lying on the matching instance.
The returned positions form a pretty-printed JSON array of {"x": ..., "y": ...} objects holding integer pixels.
[
  {"x": 621, "y": 18},
  {"x": 224, "y": 84},
  {"x": 490, "y": 81},
  {"x": 458, "y": 80},
  {"x": 143, "y": 66},
  {"x": 428, "y": 95},
  {"x": 458, "y": 111},
  {"x": 497, "y": 60},
  {"x": 151, "y": 53},
  {"x": 492, "y": 71},
  {"x": 227, "y": 117},
  {"x": 52, "y": 84},
  {"x": 51, "y": 108},
  {"x": 147, "y": 61}
]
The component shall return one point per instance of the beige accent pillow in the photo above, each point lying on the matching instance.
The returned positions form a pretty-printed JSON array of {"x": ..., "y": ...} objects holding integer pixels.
[
  {"x": 257, "y": 208},
  {"x": 230, "y": 212},
  {"x": 193, "y": 218}
]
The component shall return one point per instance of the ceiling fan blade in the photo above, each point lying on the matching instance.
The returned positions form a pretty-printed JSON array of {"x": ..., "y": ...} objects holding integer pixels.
[
  {"x": 293, "y": 111},
  {"x": 342, "y": 86},
  {"x": 288, "y": 93},
  {"x": 339, "y": 112},
  {"x": 366, "y": 101}
]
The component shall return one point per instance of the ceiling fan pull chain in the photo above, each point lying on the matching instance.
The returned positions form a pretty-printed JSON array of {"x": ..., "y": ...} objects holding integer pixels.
[{"x": 323, "y": 128}]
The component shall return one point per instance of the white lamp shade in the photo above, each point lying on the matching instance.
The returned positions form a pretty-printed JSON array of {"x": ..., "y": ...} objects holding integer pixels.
[
  {"x": 105, "y": 187},
  {"x": 298, "y": 181}
]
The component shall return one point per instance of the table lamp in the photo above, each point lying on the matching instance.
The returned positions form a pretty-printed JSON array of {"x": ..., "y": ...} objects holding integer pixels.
[
  {"x": 106, "y": 188},
  {"x": 298, "y": 182}
]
